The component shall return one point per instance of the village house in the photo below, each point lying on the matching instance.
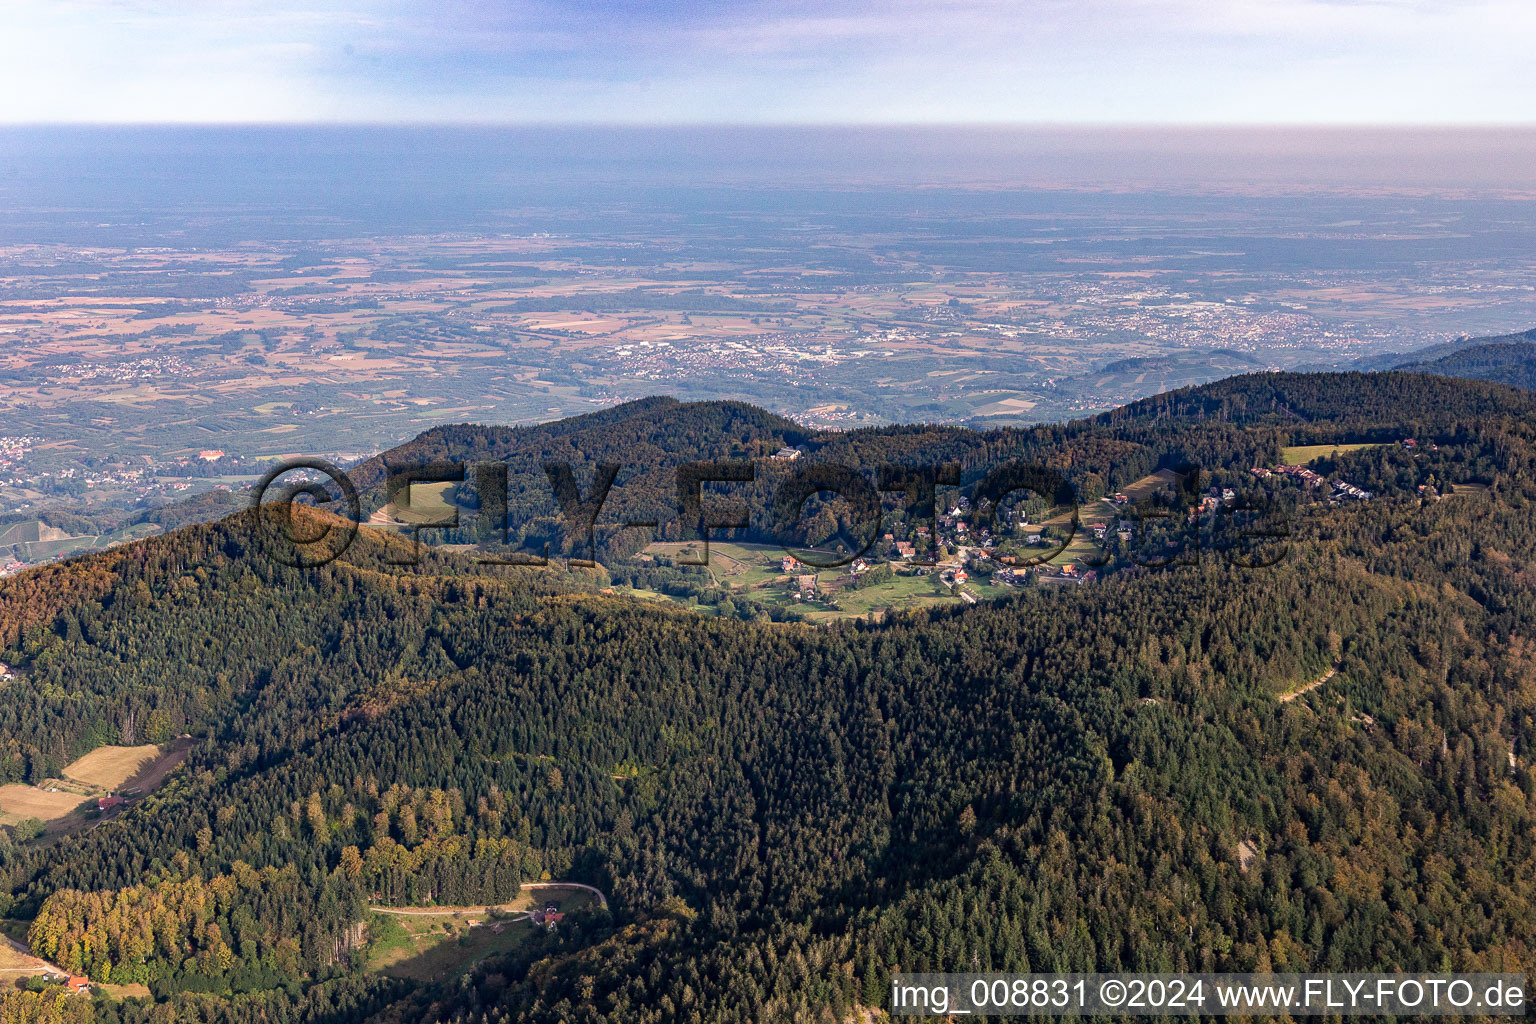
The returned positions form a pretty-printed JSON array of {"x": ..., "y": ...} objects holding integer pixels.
[{"x": 1350, "y": 491}]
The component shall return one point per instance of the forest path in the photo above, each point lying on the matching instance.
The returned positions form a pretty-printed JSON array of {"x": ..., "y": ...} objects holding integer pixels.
[{"x": 1309, "y": 687}]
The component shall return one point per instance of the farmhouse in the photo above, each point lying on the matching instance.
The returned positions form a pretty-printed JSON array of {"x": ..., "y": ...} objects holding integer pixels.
[{"x": 786, "y": 454}]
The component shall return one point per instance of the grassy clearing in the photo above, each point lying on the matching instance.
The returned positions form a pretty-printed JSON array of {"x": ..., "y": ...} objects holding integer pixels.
[
  {"x": 124, "y": 991},
  {"x": 1301, "y": 454},
  {"x": 901, "y": 592},
  {"x": 109, "y": 767},
  {"x": 1151, "y": 483},
  {"x": 429, "y": 503},
  {"x": 16, "y": 965},
  {"x": 432, "y": 948},
  {"x": 755, "y": 571},
  {"x": 431, "y": 943}
]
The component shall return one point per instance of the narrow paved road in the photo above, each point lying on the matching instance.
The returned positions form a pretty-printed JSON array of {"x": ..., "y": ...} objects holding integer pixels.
[
  {"x": 43, "y": 966},
  {"x": 505, "y": 908}
]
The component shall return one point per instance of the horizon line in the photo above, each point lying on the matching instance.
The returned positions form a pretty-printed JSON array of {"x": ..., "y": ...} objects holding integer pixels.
[{"x": 1324, "y": 126}]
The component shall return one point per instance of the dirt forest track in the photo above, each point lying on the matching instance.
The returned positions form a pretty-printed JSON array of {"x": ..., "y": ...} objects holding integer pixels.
[{"x": 1286, "y": 698}]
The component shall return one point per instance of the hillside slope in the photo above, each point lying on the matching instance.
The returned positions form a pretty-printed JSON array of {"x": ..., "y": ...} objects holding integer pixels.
[
  {"x": 1509, "y": 362},
  {"x": 1443, "y": 350},
  {"x": 1095, "y": 778}
]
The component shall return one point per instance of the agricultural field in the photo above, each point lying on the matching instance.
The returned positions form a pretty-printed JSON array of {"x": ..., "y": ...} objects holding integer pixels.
[
  {"x": 1300, "y": 455},
  {"x": 62, "y": 803},
  {"x": 35, "y": 541},
  {"x": 429, "y": 503},
  {"x": 19, "y": 802},
  {"x": 109, "y": 767}
]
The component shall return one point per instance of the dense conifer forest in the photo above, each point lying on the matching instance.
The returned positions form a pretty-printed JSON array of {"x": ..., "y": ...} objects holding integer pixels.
[{"x": 1127, "y": 775}]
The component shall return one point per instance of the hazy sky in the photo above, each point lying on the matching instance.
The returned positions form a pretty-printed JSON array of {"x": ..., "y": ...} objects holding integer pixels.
[{"x": 1319, "y": 61}]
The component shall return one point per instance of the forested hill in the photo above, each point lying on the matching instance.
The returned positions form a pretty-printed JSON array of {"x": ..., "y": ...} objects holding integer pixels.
[
  {"x": 1393, "y": 404},
  {"x": 1434, "y": 353},
  {"x": 657, "y": 430},
  {"x": 1230, "y": 425},
  {"x": 1509, "y": 362},
  {"x": 1138, "y": 774}
]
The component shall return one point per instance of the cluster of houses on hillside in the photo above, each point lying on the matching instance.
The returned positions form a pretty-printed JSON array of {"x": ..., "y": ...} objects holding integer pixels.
[
  {"x": 1342, "y": 489},
  {"x": 1307, "y": 477}
]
